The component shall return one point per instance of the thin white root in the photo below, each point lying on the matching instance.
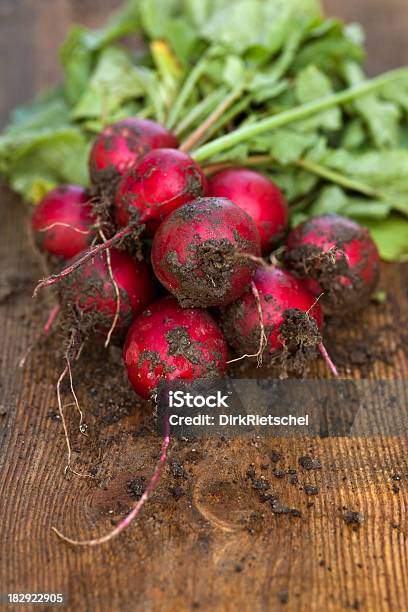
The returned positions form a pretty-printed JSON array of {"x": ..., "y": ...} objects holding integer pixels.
[
  {"x": 317, "y": 300},
  {"x": 67, "y": 370},
  {"x": 117, "y": 293},
  {"x": 263, "y": 340},
  {"x": 67, "y": 225},
  {"x": 254, "y": 258},
  {"x": 154, "y": 481},
  {"x": 62, "y": 416},
  {"x": 82, "y": 425}
]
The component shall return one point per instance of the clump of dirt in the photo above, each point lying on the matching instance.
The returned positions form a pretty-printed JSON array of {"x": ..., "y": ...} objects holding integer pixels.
[
  {"x": 276, "y": 456},
  {"x": 177, "y": 469},
  {"x": 310, "y": 489},
  {"x": 279, "y": 474},
  {"x": 261, "y": 485},
  {"x": 353, "y": 517},
  {"x": 136, "y": 487},
  {"x": 177, "y": 492},
  {"x": 300, "y": 337},
  {"x": 309, "y": 463},
  {"x": 283, "y": 596}
]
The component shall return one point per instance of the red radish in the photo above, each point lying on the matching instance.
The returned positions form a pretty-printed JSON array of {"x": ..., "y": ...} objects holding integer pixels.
[
  {"x": 163, "y": 180},
  {"x": 258, "y": 196},
  {"x": 170, "y": 343},
  {"x": 205, "y": 252},
  {"x": 62, "y": 221},
  {"x": 337, "y": 257},
  {"x": 291, "y": 319},
  {"x": 108, "y": 292},
  {"x": 121, "y": 145}
]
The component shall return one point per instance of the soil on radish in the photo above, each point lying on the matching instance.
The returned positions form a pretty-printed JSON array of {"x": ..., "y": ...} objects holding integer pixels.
[
  {"x": 298, "y": 334},
  {"x": 345, "y": 287},
  {"x": 89, "y": 299},
  {"x": 215, "y": 261}
]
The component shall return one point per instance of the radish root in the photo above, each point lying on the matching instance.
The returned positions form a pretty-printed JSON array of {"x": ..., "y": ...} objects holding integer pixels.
[
  {"x": 263, "y": 340},
  {"x": 55, "y": 278},
  {"x": 117, "y": 293},
  {"x": 154, "y": 481},
  {"x": 43, "y": 333},
  {"x": 322, "y": 348},
  {"x": 82, "y": 426},
  {"x": 328, "y": 360},
  {"x": 67, "y": 225}
]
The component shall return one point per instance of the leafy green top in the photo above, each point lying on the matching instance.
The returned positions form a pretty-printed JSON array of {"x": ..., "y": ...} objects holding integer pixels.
[{"x": 293, "y": 95}]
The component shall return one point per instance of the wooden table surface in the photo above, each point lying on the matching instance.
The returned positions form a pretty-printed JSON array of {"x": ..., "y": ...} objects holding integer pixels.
[{"x": 205, "y": 541}]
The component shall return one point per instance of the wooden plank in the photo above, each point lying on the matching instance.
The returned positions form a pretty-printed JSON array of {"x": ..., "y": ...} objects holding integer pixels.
[
  {"x": 385, "y": 24},
  {"x": 205, "y": 541}
]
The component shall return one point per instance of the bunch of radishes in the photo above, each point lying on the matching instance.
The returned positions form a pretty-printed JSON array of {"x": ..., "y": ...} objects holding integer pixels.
[{"x": 207, "y": 239}]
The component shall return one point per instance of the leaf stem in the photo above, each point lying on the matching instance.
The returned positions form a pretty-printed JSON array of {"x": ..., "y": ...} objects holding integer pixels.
[
  {"x": 235, "y": 110},
  {"x": 202, "y": 130},
  {"x": 339, "y": 179},
  {"x": 205, "y": 106},
  {"x": 295, "y": 114},
  {"x": 186, "y": 90}
]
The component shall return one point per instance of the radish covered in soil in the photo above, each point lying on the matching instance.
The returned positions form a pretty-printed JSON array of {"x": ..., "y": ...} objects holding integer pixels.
[
  {"x": 291, "y": 320},
  {"x": 168, "y": 342},
  {"x": 62, "y": 222},
  {"x": 258, "y": 196},
  {"x": 205, "y": 253},
  {"x": 106, "y": 293},
  {"x": 162, "y": 181},
  {"x": 120, "y": 146},
  {"x": 336, "y": 257}
]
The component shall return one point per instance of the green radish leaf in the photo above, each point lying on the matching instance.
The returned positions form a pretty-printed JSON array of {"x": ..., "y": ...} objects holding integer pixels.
[
  {"x": 242, "y": 25},
  {"x": 382, "y": 118},
  {"x": 334, "y": 200},
  {"x": 47, "y": 111},
  {"x": 115, "y": 81},
  {"x": 285, "y": 144},
  {"x": 329, "y": 47},
  {"x": 312, "y": 84},
  {"x": 155, "y": 15},
  {"x": 391, "y": 237},
  {"x": 34, "y": 162},
  {"x": 79, "y": 51},
  {"x": 350, "y": 158},
  {"x": 385, "y": 171}
]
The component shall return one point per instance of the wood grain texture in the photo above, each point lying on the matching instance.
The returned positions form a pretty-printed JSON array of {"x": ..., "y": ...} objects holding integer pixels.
[{"x": 205, "y": 541}]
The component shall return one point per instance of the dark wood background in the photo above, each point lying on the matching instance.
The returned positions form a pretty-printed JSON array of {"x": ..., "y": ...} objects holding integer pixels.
[{"x": 205, "y": 541}]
